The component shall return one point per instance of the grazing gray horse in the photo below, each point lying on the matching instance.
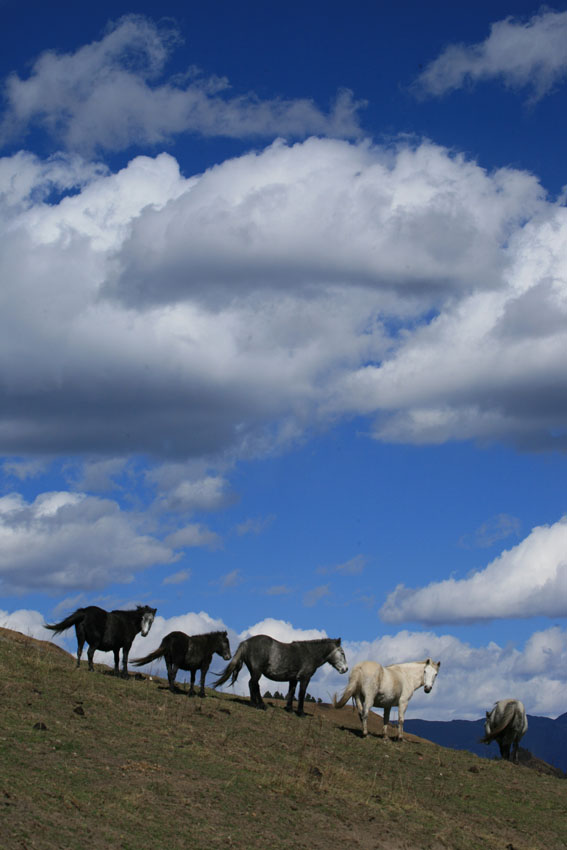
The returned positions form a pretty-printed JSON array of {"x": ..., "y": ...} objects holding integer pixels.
[
  {"x": 104, "y": 630},
  {"x": 383, "y": 687},
  {"x": 192, "y": 653},
  {"x": 283, "y": 662},
  {"x": 507, "y": 724}
]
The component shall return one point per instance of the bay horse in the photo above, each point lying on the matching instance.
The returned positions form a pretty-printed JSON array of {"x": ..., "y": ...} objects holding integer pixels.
[
  {"x": 507, "y": 724},
  {"x": 383, "y": 687},
  {"x": 188, "y": 652},
  {"x": 106, "y": 631},
  {"x": 283, "y": 662}
]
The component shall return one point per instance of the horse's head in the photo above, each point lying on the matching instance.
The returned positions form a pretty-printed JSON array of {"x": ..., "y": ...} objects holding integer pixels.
[
  {"x": 224, "y": 648},
  {"x": 337, "y": 658},
  {"x": 148, "y": 615},
  {"x": 430, "y": 674}
]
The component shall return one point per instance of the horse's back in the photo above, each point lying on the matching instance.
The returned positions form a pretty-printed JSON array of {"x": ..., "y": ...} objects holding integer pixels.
[
  {"x": 519, "y": 719},
  {"x": 175, "y": 646},
  {"x": 367, "y": 676},
  {"x": 95, "y": 619},
  {"x": 511, "y": 712}
]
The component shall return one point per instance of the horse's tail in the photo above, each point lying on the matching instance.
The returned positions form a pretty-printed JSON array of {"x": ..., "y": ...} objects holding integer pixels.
[
  {"x": 507, "y": 718},
  {"x": 69, "y": 621},
  {"x": 157, "y": 653},
  {"x": 233, "y": 667},
  {"x": 349, "y": 691}
]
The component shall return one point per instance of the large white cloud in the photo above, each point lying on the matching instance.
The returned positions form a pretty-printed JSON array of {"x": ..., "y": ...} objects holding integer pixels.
[
  {"x": 471, "y": 678},
  {"x": 64, "y": 541},
  {"x": 488, "y": 366},
  {"x": 531, "y": 54},
  {"x": 526, "y": 581},
  {"x": 111, "y": 94},
  {"x": 219, "y": 315}
]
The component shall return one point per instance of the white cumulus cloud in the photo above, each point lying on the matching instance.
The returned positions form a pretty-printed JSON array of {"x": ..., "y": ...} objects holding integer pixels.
[
  {"x": 113, "y": 93},
  {"x": 523, "y": 54},
  {"x": 526, "y": 581},
  {"x": 63, "y": 541}
]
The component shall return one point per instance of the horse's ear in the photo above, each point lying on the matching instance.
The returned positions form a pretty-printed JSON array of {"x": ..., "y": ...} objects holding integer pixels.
[
  {"x": 428, "y": 661},
  {"x": 338, "y": 641},
  {"x": 438, "y": 665}
]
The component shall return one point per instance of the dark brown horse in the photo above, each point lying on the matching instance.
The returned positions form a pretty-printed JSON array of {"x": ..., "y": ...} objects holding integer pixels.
[
  {"x": 104, "y": 630},
  {"x": 191, "y": 653}
]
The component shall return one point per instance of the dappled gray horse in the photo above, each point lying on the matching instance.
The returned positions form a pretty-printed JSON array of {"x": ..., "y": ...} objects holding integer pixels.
[
  {"x": 104, "y": 630},
  {"x": 283, "y": 662},
  {"x": 383, "y": 687},
  {"x": 507, "y": 724},
  {"x": 188, "y": 652}
]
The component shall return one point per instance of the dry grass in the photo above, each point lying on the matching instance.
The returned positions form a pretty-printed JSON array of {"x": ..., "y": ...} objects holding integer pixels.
[{"x": 125, "y": 764}]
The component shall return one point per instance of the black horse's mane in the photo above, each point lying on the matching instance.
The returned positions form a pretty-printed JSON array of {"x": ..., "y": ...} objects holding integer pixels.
[{"x": 210, "y": 634}]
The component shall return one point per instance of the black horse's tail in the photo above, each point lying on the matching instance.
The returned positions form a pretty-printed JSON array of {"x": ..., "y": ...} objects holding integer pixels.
[
  {"x": 157, "y": 653},
  {"x": 233, "y": 668},
  {"x": 69, "y": 621}
]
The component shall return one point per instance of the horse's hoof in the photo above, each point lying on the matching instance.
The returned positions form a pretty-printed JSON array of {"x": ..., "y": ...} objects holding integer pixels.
[
  {"x": 202, "y": 694},
  {"x": 288, "y": 708},
  {"x": 300, "y": 713},
  {"x": 261, "y": 706}
]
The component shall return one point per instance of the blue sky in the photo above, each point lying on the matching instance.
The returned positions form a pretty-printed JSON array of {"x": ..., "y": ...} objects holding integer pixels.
[{"x": 284, "y": 303}]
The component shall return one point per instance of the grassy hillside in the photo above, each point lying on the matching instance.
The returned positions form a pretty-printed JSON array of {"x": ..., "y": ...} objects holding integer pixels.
[{"x": 90, "y": 761}]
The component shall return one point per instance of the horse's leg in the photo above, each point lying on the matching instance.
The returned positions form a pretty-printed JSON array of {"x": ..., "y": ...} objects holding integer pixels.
[
  {"x": 171, "y": 674},
  {"x": 401, "y": 715},
  {"x": 90, "y": 656},
  {"x": 255, "y": 695},
  {"x": 515, "y": 746},
  {"x": 386, "y": 721},
  {"x": 301, "y": 696},
  {"x": 204, "y": 670},
  {"x": 365, "y": 705},
  {"x": 193, "y": 674},
  {"x": 116, "y": 661},
  {"x": 290, "y": 695},
  {"x": 125, "y": 654},
  {"x": 80, "y": 632}
]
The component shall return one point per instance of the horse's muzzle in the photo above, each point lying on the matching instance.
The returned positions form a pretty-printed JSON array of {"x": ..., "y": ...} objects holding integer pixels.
[{"x": 427, "y": 689}]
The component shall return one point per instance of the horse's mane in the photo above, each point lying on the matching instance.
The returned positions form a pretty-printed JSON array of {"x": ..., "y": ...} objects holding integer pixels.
[
  {"x": 319, "y": 640},
  {"x": 210, "y": 634}
]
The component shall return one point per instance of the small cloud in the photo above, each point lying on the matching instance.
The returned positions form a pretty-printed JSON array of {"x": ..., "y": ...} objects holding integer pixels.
[
  {"x": 368, "y": 600},
  {"x": 278, "y": 590},
  {"x": 100, "y": 476},
  {"x": 70, "y": 603},
  {"x": 490, "y": 532},
  {"x": 353, "y": 567},
  {"x": 24, "y": 469},
  {"x": 178, "y": 578},
  {"x": 313, "y": 596},
  {"x": 523, "y": 54},
  {"x": 192, "y": 535},
  {"x": 231, "y": 579},
  {"x": 255, "y": 525}
]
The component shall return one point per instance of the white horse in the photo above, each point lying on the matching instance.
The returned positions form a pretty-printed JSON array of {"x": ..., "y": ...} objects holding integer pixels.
[
  {"x": 373, "y": 685},
  {"x": 506, "y": 723}
]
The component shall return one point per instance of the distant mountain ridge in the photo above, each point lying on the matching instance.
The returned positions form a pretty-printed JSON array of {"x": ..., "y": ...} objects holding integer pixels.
[{"x": 546, "y": 738}]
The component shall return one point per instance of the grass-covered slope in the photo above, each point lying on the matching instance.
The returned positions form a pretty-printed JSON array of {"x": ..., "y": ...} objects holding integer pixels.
[{"x": 90, "y": 761}]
